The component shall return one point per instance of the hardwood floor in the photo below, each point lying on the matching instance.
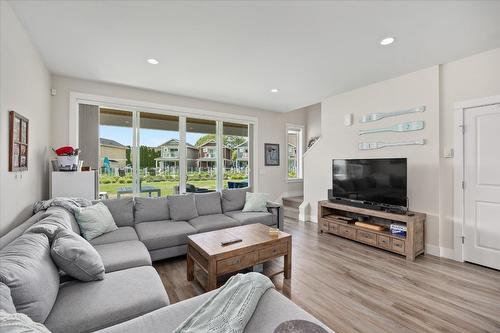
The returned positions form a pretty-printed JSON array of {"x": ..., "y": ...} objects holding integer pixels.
[{"x": 352, "y": 287}]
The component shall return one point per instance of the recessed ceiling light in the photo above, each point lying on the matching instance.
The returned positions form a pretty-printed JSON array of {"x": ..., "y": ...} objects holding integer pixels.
[
  {"x": 387, "y": 41},
  {"x": 275, "y": 90},
  {"x": 153, "y": 61}
]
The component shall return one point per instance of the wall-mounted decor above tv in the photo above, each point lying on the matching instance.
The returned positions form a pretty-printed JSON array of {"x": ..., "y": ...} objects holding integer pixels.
[{"x": 371, "y": 183}]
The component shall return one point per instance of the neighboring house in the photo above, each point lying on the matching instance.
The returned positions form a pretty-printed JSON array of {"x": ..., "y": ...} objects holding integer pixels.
[
  {"x": 113, "y": 151},
  {"x": 241, "y": 161},
  {"x": 207, "y": 155},
  {"x": 169, "y": 157}
]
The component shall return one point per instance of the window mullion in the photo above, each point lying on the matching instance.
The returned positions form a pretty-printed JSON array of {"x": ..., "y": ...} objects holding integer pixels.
[
  {"x": 135, "y": 151},
  {"x": 220, "y": 155},
  {"x": 182, "y": 155}
]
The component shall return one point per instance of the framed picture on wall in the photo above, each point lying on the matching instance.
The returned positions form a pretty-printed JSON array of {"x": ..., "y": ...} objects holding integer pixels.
[
  {"x": 18, "y": 142},
  {"x": 272, "y": 154}
]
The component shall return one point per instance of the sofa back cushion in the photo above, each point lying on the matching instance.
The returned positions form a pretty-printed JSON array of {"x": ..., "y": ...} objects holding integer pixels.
[
  {"x": 151, "y": 209},
  {"x": 182, "y": 207},
  {"x": 122, "y": 211},
  {"x": 33, "y": 279},
  {"x": 6, "y": 302},
  {"x": 56, "y": 219},
  {"x": 208, "y": 203},
  {"x": 76, "y": 257},
  {"x": 20, "y": 229},
  {"x": 233, "y": 199}
]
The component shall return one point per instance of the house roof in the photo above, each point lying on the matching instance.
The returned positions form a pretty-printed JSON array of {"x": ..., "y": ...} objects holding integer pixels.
[
  {"x": 109, "y": 142},
  {"x": 174, "y": 142}
]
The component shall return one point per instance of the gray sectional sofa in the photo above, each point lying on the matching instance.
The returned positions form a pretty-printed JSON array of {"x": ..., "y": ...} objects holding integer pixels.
[{"x": 131, "y": 297}]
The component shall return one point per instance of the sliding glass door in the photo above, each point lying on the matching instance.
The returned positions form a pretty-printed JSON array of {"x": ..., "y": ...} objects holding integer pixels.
[
  {"x": 115, "y": 153},
  {"x": 201, "y": 155},
  {"x": 154, "y": 154},
  {"x": 158, "y": 152}
]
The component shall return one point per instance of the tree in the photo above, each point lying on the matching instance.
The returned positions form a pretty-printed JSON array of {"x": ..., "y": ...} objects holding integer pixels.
[{"x": 230, "y": 141}]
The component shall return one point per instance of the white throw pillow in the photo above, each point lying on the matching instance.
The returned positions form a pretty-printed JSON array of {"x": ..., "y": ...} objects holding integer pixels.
[
  {"x": 255, "y": 202},
  {"x": 94, "y": 220}
]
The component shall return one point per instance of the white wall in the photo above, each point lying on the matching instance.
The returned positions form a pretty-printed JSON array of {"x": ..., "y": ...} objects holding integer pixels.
[
  {"x": 24, "y": 88},
  {"x": 469, "y": 78},
  {"x": 271, "y": 125},
  {"x": 339, "y": 141},
  {"x": 313, "y": 125},
  {"x": 430, "y": 182}
]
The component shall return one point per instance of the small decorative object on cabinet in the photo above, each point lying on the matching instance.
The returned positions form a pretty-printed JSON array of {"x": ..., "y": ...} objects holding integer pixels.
[
  {"x": 18, "y": 142},
  {"x": 272, "y": 154},
  {"x": 375, "y": 230}
]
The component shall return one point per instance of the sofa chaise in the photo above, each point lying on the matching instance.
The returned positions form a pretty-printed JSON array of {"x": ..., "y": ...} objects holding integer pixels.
[{"x": 131, "y": 297}]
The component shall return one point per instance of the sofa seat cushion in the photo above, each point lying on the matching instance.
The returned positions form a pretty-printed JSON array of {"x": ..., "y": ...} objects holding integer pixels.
[
  {"x": 252, "y": 217},
  {"x": 163, "y": 234},
  {"x": 122, "y": 295},
  {"x": 119, "y": 235},
  {"x": 272, "y": 309},
  {"x": 123, "y": 255},
  {"x": 213, "y": 222}
]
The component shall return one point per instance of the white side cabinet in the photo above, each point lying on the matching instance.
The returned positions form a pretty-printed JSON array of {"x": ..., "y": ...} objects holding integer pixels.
[{"x": 77, "y": 184}]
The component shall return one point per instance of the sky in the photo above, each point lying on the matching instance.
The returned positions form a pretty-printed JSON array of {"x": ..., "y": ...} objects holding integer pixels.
[{"x": 148, "y": 137}]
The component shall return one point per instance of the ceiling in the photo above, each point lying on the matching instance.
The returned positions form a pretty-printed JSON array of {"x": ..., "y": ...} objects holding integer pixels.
[{"x": 236, "y": 52}]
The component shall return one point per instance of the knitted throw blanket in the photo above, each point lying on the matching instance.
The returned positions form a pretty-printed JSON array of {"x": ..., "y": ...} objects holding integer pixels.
[
  {"x": 70, "y": 204},
  {"x": 231, "y": 306}
]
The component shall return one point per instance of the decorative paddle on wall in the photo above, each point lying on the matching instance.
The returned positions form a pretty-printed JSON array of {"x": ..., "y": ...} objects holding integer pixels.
[
  {"x": 381, "y": 115},
  {"x": 403, "y": 127},
  {"x": 378, "y": 145}
]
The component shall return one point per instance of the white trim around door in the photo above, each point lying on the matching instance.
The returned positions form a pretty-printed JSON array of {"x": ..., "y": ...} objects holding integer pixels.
[{"x": 458, "y": 170}]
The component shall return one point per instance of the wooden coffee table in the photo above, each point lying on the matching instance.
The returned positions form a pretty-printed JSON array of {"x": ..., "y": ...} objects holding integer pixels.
[{"x": 257, "y": 247}]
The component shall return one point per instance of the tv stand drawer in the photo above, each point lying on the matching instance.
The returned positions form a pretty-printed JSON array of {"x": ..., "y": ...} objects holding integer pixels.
[
  {"x": 366, "y": 237},
  {"x": 347, "y": 232}
]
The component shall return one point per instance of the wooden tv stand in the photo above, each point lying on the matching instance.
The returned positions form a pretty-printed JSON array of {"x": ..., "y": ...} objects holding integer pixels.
[{"x": 330, "y": 221}]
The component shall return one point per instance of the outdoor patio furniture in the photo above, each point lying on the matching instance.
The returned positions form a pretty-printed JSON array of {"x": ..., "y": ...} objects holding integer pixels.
[
  {"x": 144, "y": 189},
  {"x": 241, "y": 184}
]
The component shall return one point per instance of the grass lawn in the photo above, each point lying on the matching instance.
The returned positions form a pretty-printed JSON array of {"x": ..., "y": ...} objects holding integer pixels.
[{"x": 166, "y": 187}]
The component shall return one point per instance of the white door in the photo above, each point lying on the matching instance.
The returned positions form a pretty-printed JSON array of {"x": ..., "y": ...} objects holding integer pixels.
[{"x": 482, "y": 185}]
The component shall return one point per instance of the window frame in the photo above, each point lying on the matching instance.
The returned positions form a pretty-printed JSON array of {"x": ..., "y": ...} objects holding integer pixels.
[
  {"x": 299, "y": 129},
  {"x": 136, "y": 107}
]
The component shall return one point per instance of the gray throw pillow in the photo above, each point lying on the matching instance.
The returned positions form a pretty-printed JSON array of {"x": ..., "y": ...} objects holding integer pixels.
[
  {"x": 33, "y": 279},
  {"x": 182, "y": 207},
  {"x": 122, "y": 211},
  {"x": 151, "y": 209},
  {"x": 19, "y": 323},
  {"x": 6, "y": 302},
  {"x": 233, "y": 199},
  {"x": 76, "y": 257},
  {"x": 208, "y": 203},
  {"x": 95, "y": 220}
]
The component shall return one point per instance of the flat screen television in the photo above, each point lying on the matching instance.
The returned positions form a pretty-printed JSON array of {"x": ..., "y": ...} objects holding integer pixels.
[{"x": 370, "y": 182}]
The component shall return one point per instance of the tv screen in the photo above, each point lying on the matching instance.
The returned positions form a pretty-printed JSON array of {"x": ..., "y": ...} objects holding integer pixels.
[{"x": 377, "y": 181}]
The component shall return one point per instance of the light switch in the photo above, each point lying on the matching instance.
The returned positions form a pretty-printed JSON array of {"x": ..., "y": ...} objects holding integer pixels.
[{"x": 348, "y": 119}]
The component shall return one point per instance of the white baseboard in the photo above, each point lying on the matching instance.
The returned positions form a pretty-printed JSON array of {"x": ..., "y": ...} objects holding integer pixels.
[
  {"x": 432, "y": 250},
  {"x": 439, "y": 251}
]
